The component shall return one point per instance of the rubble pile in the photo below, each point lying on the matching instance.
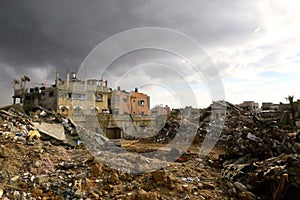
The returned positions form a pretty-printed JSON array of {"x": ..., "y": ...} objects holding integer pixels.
[
  {"x": 41, "y": 170},
  {"x": 32, "y": 166},
  {"x": 166, "y": 134},
  {"x": 260, "y": 159},
  {"x": 45, "y": 171},
  {"x": 253, "y": 159},
  {"x": 42, "y": 124}
]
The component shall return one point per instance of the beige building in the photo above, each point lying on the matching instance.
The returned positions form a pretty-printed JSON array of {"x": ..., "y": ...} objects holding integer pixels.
[
  {"x": 72, "y": 98},
  {"x": 160, "y": 110},
  {"x": 83, "y": 100},
  {"x": 250, "y": 106}
]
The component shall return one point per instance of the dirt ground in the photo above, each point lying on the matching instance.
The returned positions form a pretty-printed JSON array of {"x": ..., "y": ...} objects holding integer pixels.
[{"x": 40, "y": 170}]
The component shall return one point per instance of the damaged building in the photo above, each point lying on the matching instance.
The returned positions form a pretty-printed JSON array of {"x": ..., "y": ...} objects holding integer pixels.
[
  {"x": 71, "y": 98},
  {"x": 83, "y": 100},
  {"x": 134, "y": 102},
  {"x": 249, "y": 106}
]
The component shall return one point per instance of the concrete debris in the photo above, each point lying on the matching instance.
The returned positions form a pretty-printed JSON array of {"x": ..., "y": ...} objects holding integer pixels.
[
  {"x": 257, "y": 155},
  {"x": 253, "y": 159},
  {"x": 53, "y": 130}
]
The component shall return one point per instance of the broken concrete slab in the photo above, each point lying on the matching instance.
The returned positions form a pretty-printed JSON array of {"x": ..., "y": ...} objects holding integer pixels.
[{"x": 53, "y": 130}]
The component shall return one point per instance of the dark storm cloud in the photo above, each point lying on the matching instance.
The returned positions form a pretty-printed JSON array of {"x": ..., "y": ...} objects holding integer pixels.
[{"x": 59, "y": 34}]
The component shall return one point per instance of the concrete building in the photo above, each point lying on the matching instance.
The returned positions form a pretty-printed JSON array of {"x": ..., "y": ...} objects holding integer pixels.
[
  {"x": 119, "y": 102},
  {"x": 90, "y": 103},
  {"x": 250, "y": 106},
  {"x": 139, "y": 103},
  {"x": 219, "y": 110},
  {"x": 276, "y": 111},
  {"x": 134, "y": 103},
  {"x": 160, "y": 110},
  {"x": 269, "y": 106},
  {"x": 72, "y": 98}
]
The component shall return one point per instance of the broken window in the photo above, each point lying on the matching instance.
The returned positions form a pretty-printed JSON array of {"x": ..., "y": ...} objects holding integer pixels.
[
  {"x": 27, "y": 98},
  {"x": 64, "y": 110},
  {"x": 99, "y": 97},
  {"x": 51, "y": 94},
  {"x": 141, "y": 102}
]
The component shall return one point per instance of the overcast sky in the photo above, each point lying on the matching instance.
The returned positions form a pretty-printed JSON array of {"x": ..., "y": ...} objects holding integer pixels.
[{"x": 253, "y": 44}]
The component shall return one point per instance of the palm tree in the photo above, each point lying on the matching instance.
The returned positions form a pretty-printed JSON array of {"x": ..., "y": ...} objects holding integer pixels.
[{"x": 292, "y": 109}]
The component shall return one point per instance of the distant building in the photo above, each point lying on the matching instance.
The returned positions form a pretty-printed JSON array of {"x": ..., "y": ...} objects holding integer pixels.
[
  {"x": 249, "y": 106},
  {"x": 269, "y": 106},
  {"x": 219, "y": 110},
  {"x": 133, "y": 103},
  {"x": 275, "y": 111},
  {"x": 139, "y": 103},
  {"x": 119, "y": 102},
  {"x": 160, "y": 110}
]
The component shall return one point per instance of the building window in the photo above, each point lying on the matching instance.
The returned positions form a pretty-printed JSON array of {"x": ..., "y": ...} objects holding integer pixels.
[
  {"x": 99, "y": 97},
  {"x": 141, "y": 102},
  {"x": 64, "y": 110},
  {"x": 116, "y": 99},
  {"x": 124, "y": 100},
  {"x": 27, "y": 98},
  {"x": 94, "y": 111},
  {"x": 51, "y": 94},
  {"x": 77, "y": 111},
  {"x": 75, "y": 96}
]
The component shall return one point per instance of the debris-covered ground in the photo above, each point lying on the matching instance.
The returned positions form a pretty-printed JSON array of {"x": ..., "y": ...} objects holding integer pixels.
[{"x": 252, "y": 160}]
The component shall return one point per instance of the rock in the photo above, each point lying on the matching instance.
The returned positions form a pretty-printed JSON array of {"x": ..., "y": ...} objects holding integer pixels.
[
  {"x": 42, "y": 178},
  {"x": 114, "y": 178},
  {"x": 37, "y": 163},
  {"x": 36, "y": 192},
  {"x": 142, "y": 195},
  {"x": 159, "y": 176},
  {"x": 21, "y": 139},
  {"x": 16, "y": 194},
  {"x": 66, "y": 165},
  {"x": 240, "y": 186},
  {"x": 208, "y": 186},
  {"x": 246, "y": 195},
  {"x": 78, "y": 193},
  {"x": 200, "y": 186},
  {"x": 1, "y": 192},
  {"x": 80, "y": 176}
]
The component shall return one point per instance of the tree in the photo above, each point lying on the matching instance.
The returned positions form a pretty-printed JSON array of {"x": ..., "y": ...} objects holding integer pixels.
[{"x": 292, "y": 108}]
